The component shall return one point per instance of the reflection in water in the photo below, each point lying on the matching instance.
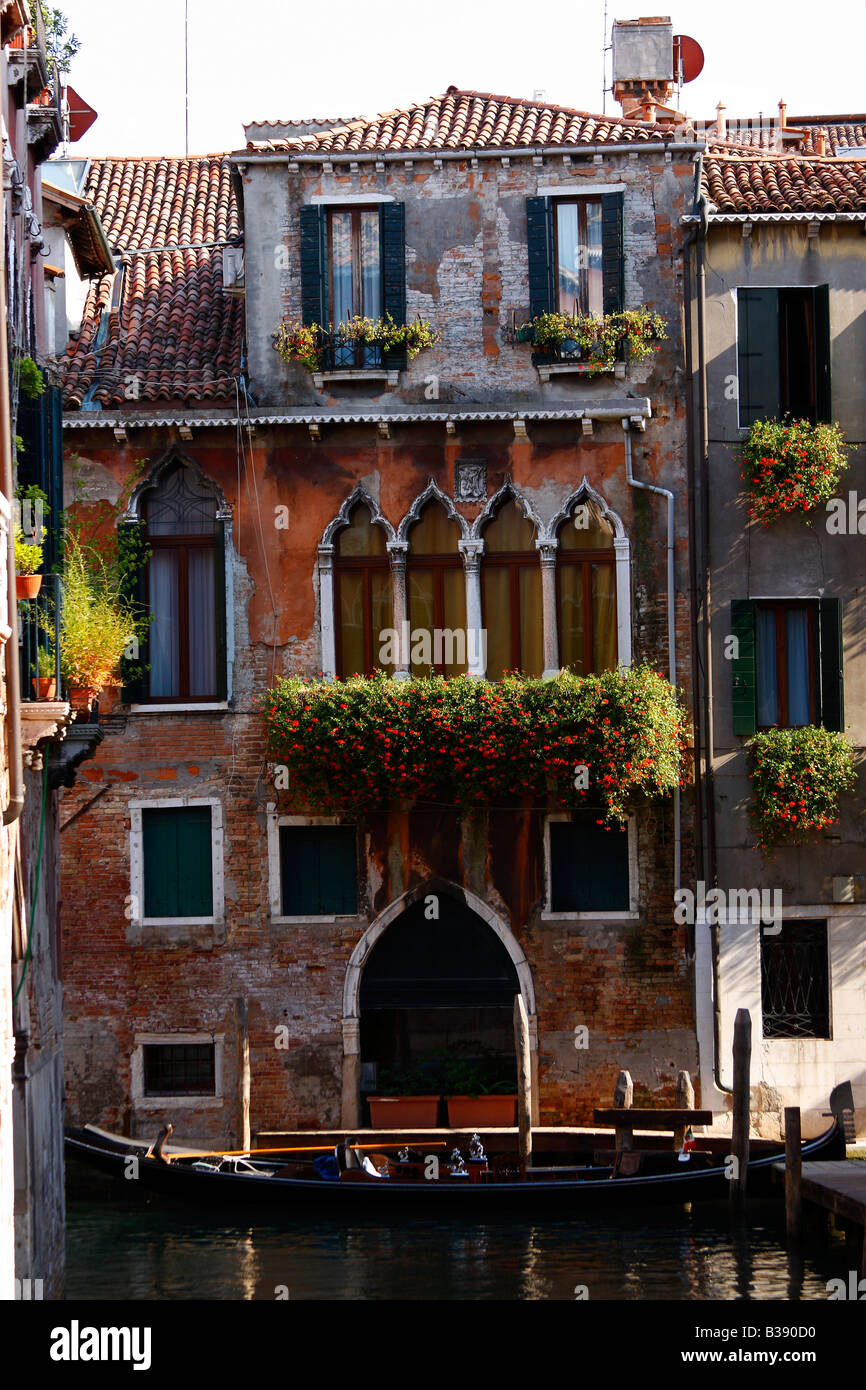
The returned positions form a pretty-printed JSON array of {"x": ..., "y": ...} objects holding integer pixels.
[{"x": 153, "y": 1251}]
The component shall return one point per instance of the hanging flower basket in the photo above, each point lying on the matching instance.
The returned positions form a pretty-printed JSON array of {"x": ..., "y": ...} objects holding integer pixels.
[
  {"x": 791, "y": 467},
  {"x": 798, "y": 777}
]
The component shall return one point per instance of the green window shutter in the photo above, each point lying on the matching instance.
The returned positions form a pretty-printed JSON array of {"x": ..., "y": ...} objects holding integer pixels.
[
  {"x": 821, "y": 311},
  {"x": 220, "y": 636},
  {"x": 831, "y": 664},
  {"x": 589, "y": 869},
  {"x": 539, "y": 242},
  {"x": 318, "y": 870},
  {"x": 178, "y": 860},
  {"x": 314, "y": 265},
  {"x": 743, "y": 667},
  {"x": 392, "y": 227},
  {"x": 612, "y": 256},
  {"x": 758, "y": 355},
  {"x": 130, "y": 544}
]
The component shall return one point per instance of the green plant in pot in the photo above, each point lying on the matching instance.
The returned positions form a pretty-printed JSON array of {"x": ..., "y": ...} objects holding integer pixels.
[
  {"x": 97, "y": 622},
  {"x": 45, "y": 681},
  {"x": 29, "y": 533}
]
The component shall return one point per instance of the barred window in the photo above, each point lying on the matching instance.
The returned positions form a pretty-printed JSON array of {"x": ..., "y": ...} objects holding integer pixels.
[
  {"x": 179, "y": 1069},
  {"x": 795, "y": 981}
]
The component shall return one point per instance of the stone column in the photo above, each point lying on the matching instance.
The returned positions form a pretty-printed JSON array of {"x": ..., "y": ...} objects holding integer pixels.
[
  {"x": 623, "y": 600},
  {"x": 351, "y": 1101},
  {"x": 547, "y": 552},
  {"x": 400, "y": 607},
  {"x": 476, "y": 642},
  {"x": 327, "y": 617}
]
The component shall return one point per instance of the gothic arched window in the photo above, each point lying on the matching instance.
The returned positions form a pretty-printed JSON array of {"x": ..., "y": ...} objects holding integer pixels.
[
  {"x": 436, "y": 594},
  {"x": 511, "y": 595},
  {"x": 362, "y": 576},
  {"x": 586, "y": 591}
]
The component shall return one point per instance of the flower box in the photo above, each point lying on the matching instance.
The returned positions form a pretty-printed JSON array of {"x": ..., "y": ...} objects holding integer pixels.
[
  {"x": 404, "y": 1112},
  {"x": 482, "y": 1112}
]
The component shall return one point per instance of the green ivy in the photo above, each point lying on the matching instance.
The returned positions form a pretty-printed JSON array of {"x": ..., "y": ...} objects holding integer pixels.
[
  {"x": 30, "y": 379},
  {"x": 798, "y": 777},
  {"x": 352, "y": 745}
]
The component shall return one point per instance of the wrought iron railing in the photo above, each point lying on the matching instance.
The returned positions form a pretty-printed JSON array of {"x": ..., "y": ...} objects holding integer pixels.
[
  {"x": 795, "y": 994},
  {"x": 338, "y": 353},
  {"x": 39, "y": 631}
]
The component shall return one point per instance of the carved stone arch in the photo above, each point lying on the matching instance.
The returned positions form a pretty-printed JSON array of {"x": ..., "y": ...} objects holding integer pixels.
[
  {"x": 359, "y": 956},
  {"x": 581, "y": 494},
  {"x": 359, "y": 494},
  {"x": 160, "y": 469},
  {"x": 493, "y": 504},
  {"x": 432, "y": 492}
]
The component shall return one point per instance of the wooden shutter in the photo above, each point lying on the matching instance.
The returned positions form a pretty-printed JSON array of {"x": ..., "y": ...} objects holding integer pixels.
[
  {"x": 314, "y": 265},
  {"x": 130, "y": 545},
  {"x": 392, "y": 225},
  {"x": 177, "y": 853},
  {"x": 588, "y": 866},
  {"x": 743, "y": 667},
  {"x": 821, "y": 319},
  {"x": 612, "y": 264},
  {"x": 220, "y": 635},
  {"x": 758, "y": 355},
  {"x": 318, "y": 870},
  {"x": 831, "y": 664},
  {"x": 539, "y": 241}
]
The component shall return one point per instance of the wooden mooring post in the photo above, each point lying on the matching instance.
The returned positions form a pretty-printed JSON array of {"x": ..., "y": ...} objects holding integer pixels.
[
  {"x": 685, "y": 1101},
  {"x": 623, "y": 1097},
  {"x": 740, "y": 1134},
  {"x": 243, "y": 1035},
  {"x": 524, "y": 1084},
  {"x": 793, "y": 1173}
]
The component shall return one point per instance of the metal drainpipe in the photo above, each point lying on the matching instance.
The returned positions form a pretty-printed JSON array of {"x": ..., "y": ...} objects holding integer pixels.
[
  {"x": 15, "y": 806},
  {"x": 672, "y": 634}
]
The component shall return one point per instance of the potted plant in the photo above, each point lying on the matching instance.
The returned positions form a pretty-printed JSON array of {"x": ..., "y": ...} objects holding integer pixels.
[
  {"x": 45, "y": 683},
  {"x": 30, "y": 509},
  {"x": 96, "y": 622},
  {"x": 479, "y": 1096},
  {"x": 404, "y": 1101},
  {"x": 791, "y": 467}
]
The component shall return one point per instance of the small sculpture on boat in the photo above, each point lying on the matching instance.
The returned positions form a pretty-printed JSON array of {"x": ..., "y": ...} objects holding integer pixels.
[
  {"x": 403, "y": 1155},
  {"x": 458, "y": 1167},
  {"x": 476, "y": 1148}
]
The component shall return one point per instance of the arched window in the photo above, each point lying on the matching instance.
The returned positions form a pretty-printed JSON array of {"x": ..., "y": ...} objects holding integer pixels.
[
  {"x": 436, "y": 593},
  {"x": 184, "y": 590},
  {"x": 586, "y": 591},
  {"x": 511, "y": 595},
  {"x": 363, "y": 601}
]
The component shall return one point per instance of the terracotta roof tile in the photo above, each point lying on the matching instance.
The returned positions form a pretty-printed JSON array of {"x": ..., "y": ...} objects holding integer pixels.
[
  {"x": 174, "y": 335},
  {"x": 742, "y": 180},
  {"x": 466, "y": 120}
]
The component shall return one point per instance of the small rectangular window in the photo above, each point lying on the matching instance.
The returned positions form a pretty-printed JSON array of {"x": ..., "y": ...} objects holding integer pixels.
[
  {"x": 578, "y": 231},
  {"x": 795, "y": 982},
  {"x": 589, "y": 866},
  {"x": 318, "y": 870},
  {"x": 178, "y": 861},
  {"x": 179, "y": 1069},
  {"x": 786, "y": 664},
  {"x": 783, "y": 353}
]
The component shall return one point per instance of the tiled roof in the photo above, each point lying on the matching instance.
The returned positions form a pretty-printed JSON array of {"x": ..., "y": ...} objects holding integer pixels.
[
  {"x": 742, "y": 181},
  {"x": 842, "y": 133},
  {"x": 466, "y": 120},
  {"x": 174, "y": 335}
]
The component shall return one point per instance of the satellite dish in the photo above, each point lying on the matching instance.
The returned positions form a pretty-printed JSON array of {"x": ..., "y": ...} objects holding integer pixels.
[
  {"x": 689, "y": 54},
  {"x": 81, "y": 114}
]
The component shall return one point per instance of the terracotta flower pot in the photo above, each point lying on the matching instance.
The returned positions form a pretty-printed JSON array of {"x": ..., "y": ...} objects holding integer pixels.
[
  {"x": 45, "y": 687},
  {"x": 81, "y": 699},
  {"x": 27, "y": 585},
  {"x": 482, "y": 1112},
  {"x": 404, "y": 1112}
]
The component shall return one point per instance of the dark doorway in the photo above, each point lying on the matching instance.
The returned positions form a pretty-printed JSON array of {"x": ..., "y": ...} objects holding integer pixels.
[{"x": 436, "y": 991}]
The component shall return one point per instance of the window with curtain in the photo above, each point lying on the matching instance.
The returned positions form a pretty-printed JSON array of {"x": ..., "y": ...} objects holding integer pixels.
[
  {"x": 785, "y": 664},
  {"x": 183, "y": 585},
  {"x": 511, "y": 595},
  {"x": 578, "y": 236},
  {"x": 586, "y": 592},
  {"x": 436, "y": 593},
  {"x": 355, "y": 277},
  {"x": 362, "y": 581}
]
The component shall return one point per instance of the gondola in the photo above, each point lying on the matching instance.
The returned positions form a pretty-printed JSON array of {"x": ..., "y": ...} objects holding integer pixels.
[{"x": 471, "y": 1185}]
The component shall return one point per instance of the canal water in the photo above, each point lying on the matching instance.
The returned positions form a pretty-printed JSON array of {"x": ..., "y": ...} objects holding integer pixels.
[{"x": 148, "y": 1250}]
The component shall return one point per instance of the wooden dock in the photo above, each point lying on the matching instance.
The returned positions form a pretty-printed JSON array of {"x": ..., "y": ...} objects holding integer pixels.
[{"x": 838, "y": 1186}]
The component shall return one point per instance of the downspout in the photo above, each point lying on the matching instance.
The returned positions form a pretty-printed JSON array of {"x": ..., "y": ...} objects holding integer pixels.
[
  {"x": 672, "y": 632},
  {"x": 15, "y": 805}
]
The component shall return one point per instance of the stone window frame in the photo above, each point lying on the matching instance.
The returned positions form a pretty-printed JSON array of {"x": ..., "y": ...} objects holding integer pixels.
[
  {"x": 135, "y": 911},
  {"x": 141, "y": 1101},
  {"x": 276, "y": 916},
  {"x": 631, "y": 914},
  {"x": 471, "y": 546}
]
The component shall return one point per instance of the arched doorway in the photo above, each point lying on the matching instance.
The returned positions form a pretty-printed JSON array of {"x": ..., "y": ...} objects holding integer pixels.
[{"x": 436, "y": 973}]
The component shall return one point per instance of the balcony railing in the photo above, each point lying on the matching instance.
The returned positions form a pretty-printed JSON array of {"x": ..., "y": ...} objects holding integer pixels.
[
  {"x": 341, "y": 354},
  {"x": 39, "y": 631}
]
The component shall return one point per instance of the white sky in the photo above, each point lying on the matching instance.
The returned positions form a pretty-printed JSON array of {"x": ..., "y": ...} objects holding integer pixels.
[{"x": 281, "y": 59}]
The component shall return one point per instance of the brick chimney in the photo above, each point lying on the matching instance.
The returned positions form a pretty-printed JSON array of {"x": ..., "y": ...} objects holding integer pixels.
[
  {"x": 643, "y": 65},
  {"x": 721, "y": 123}
]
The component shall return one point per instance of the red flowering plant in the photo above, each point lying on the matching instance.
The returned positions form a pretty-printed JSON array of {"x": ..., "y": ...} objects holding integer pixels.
[
  {"x": 798, "y": 776},
  {"x": 356, "y": 744},
  {"x": 791, "y": 466}
]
